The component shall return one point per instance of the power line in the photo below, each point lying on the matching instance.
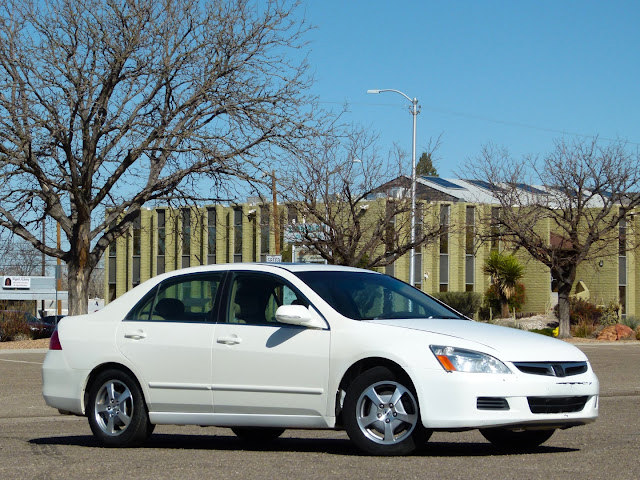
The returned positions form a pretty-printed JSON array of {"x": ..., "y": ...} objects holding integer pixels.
[{"x": 483, "y": 118}]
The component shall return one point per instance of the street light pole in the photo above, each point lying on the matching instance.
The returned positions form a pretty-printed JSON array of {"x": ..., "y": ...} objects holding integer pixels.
[{"x": 414, "y": 112}]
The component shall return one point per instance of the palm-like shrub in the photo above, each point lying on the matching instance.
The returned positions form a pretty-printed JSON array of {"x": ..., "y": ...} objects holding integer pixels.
[{"x": 505, "y": 271}]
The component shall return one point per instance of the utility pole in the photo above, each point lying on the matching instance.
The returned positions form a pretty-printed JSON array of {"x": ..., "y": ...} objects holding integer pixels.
[
  {"x": 58, "y": 270},
  {"x": 276, "y": 218},
  {"x": 42, "y": 304}
]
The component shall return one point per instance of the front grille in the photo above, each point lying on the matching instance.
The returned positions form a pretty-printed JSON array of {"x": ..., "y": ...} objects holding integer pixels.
[
  {"x": 492, "y": 403},
  {"x": 552, "y": 369},
  {"x": 557, "y": 404}
]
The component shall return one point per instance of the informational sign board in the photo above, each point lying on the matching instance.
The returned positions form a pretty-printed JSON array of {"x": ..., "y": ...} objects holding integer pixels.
[
  {"x": 274, "y": 258},
  {"x": 16, "y": 282}
]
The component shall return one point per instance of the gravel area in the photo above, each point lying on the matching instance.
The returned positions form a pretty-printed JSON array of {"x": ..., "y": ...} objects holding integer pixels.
[{"x": 25, "y": 344}]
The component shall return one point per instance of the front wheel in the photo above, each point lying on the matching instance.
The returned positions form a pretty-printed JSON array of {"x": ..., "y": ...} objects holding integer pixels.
[
  {"x": 381, "y": 414},
  {"x": 511, "y": 440},
  {"x": 116, "y": 410}
]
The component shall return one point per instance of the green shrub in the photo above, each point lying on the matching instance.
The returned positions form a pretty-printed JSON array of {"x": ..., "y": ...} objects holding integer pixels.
[
  {"x": 13, "y": 327},
  {"x": 630, "y": 321},
  {"x": 466, "y": 303},
  {"x": 492, "y": 301},
  {"x": 610, "y": 314}
]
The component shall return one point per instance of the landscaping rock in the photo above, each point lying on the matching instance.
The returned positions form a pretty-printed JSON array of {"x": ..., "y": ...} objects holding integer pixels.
[
  {"x": 616, "y": 332},
  {"x": 624, "y": 332}
]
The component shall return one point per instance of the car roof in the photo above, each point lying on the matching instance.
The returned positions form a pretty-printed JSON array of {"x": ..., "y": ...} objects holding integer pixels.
[
  {"x": 316, "y": 267},
  {"x": 265, "y": 267}
]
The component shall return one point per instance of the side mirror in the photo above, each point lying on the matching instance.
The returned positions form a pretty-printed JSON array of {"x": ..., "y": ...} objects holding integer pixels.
[{"x": 299, "y": 315}]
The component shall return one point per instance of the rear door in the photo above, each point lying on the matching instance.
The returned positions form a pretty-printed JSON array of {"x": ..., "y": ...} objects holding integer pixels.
[{"x": 168, "y": 338}]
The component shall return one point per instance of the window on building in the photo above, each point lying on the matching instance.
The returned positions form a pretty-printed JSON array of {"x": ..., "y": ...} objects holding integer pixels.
[
  {"x": 254, "y": 237},
  {"x": 390, "y": 269},
  {"x": 237, "y": 234},
  {"x": 112, "y": 271},
  {"x": 390, "y": 235},
  {"x": 622, "y": 266},
  {"x": 292, "y": 214},
  {"x": 445, "y": 211},
  {"x": 186, "y": 237},
  {"x": 417, "y": 259},
  {"x": 162, "y": 236},
  {"x": 495, "y": 228},
  {"x": 264, "y": 233},
  {"x": 211, "y": 236},
  {"x": 136, "y": 230},
  {"x": 151, "y": 246},
  {"x": 227, "y": 257},
  {"x": 469, "y": 266}
]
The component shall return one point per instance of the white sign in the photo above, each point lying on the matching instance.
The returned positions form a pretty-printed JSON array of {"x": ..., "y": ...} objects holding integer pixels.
[
  {"x": 16, "y": 282},
  {"x": 296, "y": 233},
  {"x": 274, "y": 258}
]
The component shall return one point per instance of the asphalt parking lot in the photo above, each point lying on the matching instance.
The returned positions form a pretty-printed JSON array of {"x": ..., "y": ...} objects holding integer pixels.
[{"x": 38, "y": 443}]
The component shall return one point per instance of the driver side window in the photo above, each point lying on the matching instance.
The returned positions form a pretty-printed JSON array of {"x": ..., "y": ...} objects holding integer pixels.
[{"x": 254, "y": 298}]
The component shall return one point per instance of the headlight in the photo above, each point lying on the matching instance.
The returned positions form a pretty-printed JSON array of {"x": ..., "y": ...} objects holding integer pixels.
[{"x": 459, "y": 360}]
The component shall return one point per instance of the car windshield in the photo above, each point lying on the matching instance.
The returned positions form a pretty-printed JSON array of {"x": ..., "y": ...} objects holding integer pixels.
[{"x": 371, "y": 296}]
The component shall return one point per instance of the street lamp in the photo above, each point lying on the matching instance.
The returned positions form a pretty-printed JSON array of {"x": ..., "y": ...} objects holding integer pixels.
[{"x": 414, "y": 112}]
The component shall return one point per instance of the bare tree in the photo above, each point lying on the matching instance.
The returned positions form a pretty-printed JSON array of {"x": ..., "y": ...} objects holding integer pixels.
[
  {"x": 349, "y": 219},
  {"x": 18, "y": 257},
  {"x": 115, "y": 103},
  {"x": 564, "y": 209}
]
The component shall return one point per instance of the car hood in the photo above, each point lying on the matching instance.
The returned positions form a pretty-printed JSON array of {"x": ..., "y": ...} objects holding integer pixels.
[{"x": 508, "y": 344}]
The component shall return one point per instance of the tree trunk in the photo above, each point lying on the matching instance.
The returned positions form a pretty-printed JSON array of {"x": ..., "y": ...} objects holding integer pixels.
[
  {"x": 78, "y": 289},
  {"x": 79, "y": 268},
  {"x": 504, "y": 305},
  {"x": 563, "y": 310}
]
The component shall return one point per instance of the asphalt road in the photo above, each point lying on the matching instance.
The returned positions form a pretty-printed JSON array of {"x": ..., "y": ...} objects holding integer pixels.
[{"x": 38, "y": 443}]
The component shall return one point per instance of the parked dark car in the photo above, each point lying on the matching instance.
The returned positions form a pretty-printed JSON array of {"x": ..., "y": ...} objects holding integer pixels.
[
  {"x": 52, "y": 319},
  {"x": 37, "y": 328}
]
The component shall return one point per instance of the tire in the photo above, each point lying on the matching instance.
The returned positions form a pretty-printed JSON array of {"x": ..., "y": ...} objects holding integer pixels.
[
  {"x": 510, "y": 440},
  {"x": 381, "y": 414},
  {"x": 257, "y": 434},
  {"x": 117, "y": 411}
]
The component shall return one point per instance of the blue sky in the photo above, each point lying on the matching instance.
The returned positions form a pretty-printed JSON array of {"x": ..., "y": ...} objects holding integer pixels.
[{"x": 514, "y": 73}]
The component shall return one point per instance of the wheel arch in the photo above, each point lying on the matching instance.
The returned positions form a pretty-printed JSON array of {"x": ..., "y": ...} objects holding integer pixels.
[
  {"x": 103, "y": 368},
  {"x": 362, "y": 366}
]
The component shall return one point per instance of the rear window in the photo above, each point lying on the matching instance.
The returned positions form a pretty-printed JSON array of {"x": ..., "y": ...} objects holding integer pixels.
[{"x": 372, "y": 296}]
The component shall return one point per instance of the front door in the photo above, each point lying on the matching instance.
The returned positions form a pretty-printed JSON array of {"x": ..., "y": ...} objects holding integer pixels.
[{"x": 263, "y": 368}]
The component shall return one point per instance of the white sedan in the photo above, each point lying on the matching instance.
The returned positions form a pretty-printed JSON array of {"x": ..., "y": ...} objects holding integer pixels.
[{"x": 261, "y": 348}]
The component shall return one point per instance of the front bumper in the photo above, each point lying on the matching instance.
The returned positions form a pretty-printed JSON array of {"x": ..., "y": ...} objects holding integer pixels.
[{"x": 450, "y": 401}]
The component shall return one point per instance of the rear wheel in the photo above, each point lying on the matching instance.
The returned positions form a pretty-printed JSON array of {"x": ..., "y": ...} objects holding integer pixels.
[
  {"x": 511, "y": 440},
  {"x": 257, "y": 434},
  {"x": 116, "y": 410},
  {"x": 381, "y": 414}
]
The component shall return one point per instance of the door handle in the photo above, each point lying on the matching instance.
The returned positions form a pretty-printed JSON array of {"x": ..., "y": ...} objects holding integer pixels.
[
  {"x": 139, "y": 335},
  {"x": 232, "y": 340}
]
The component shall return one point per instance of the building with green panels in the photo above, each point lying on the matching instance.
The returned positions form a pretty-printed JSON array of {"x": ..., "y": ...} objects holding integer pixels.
[{"x": 164, "y": 239}]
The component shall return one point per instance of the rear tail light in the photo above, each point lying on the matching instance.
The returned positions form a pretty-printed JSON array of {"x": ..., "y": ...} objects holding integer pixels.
[{"x": 54, "y": 343}]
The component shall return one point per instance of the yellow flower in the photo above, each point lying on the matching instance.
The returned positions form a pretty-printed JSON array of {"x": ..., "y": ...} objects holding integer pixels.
[{"x": 555, "y": 331}]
